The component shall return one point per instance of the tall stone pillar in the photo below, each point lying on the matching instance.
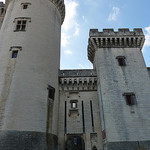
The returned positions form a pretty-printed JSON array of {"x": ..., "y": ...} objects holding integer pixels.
[
  {"x": 123, "y": 88},
  {"x": 29, "y": 64}
]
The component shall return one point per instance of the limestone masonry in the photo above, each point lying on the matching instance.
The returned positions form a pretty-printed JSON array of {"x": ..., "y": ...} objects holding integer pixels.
[{"x": 45, "y": 108}]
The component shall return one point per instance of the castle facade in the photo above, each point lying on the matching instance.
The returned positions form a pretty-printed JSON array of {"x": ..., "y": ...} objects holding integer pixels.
[{"x": 45, "y": 108}]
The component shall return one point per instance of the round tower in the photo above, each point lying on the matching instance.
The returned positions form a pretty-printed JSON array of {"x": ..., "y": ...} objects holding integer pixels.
[{"x": 29, "y": 64}]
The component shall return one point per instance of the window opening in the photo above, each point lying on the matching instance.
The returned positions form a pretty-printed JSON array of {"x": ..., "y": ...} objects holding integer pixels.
[
  {"x": 25, "y": 6},
  {"x": 83, "y": 123},
  {"x": 21, "y": 25},
  {"x": 92, "y": 118},
  {"x": 129, "y": 97},
  {"x": 65, "y": 116},
  {"x": 14, "y": 54},
  {"x": 74, "y": 105},
  {"x": 2, "y": 10},
  {"x": 121, "y": 60},
  {"x": 51, "y": 92},
  {"x": 94, "y": 148}
]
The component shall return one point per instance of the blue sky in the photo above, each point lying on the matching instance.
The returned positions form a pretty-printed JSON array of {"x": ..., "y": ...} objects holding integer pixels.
[{"x": 82, "y": 15}]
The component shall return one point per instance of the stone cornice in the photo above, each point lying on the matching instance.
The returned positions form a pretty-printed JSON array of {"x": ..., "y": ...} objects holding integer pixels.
[
  {"x": 110, "y": 39},
  {"x": 78, "y": 83},
  {"x": 61, "y": 8}
]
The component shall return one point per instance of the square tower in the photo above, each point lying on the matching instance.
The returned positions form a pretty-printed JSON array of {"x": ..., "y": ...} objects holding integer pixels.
[{"x": 123, "y": 88}]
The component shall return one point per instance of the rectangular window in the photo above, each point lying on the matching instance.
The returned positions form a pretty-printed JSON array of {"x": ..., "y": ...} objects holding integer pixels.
[
  {"x": 14, "y": 51},
  {"x": 74, "y": 104},
  {"x": 25, "y": 6},
  {"x": 121, "y": 60},
  {"x": 21, "y": 25},
  {"x": 83, "y": 123},
  {"x": 51, "y": 92},
  {"x": 130, "y": 98},
  {"x": 14, "y": 54},
  {"x": 92, "y": 115}
]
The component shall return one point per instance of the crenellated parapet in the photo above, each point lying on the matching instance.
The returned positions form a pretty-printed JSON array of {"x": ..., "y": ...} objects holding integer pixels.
[{"x": 111, "y": 39}]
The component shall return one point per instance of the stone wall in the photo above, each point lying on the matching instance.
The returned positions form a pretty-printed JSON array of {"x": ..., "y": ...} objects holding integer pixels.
[{"x": 79, "y": 86}]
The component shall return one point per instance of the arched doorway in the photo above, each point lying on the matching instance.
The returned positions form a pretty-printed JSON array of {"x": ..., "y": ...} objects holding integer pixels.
[
  {"x": 75, "y": 143},
  {"x": 94, "y": 148}
]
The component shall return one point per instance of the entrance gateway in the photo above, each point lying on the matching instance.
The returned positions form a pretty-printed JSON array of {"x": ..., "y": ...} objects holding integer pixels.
[{"x": 75, "y": 142}]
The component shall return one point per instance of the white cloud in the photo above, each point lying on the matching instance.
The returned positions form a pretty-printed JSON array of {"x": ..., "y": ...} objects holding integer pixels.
[
  {"x": 84, "y": 19},
  {"x": 114, "y": 14},
  {"x": 147, "y": 36},
  {"x": 70, "y": 27},
  {"x": 68, "y": 52},
  {"x": 64, "y": 39}
]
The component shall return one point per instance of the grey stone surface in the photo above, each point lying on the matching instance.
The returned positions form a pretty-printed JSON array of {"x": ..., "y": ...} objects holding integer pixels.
[
  {"x": 26, "y": 140},
  {"x": 145, "y": 144},
  {"x": 121, "y": 146},
  {"x": 77, "y": 73}
]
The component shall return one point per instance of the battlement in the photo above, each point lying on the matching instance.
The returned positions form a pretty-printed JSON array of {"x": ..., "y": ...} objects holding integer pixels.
[
  {"x": 120, "y": 32},
  {"x": 123, "y": 38}
]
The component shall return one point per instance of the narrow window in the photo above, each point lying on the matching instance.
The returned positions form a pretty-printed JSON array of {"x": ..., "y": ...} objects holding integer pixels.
[
  {"x": 130, "y": 98},
  {"x": 51, "y": 92},
  {"x": 2, "y": 10},
  {"x": 74, "y": 105},
  {"x": 65, "y": 117},
  {"x": 14, "y": 54},
  {"x": 127, "y": 41},
  {"x": 113, "y": 41},
  {"x": 83, "y": 117},
  {"x": 92, "y": 115},
  {"x": 121, "y": 60}
]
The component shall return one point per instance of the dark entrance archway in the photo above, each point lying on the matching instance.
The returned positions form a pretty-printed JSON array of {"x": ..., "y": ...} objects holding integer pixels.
[{"x": 75, "y": 142}]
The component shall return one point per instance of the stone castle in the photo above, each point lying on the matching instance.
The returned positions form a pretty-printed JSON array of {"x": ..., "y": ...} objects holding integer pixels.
[{"x": 45, "y": 108}]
